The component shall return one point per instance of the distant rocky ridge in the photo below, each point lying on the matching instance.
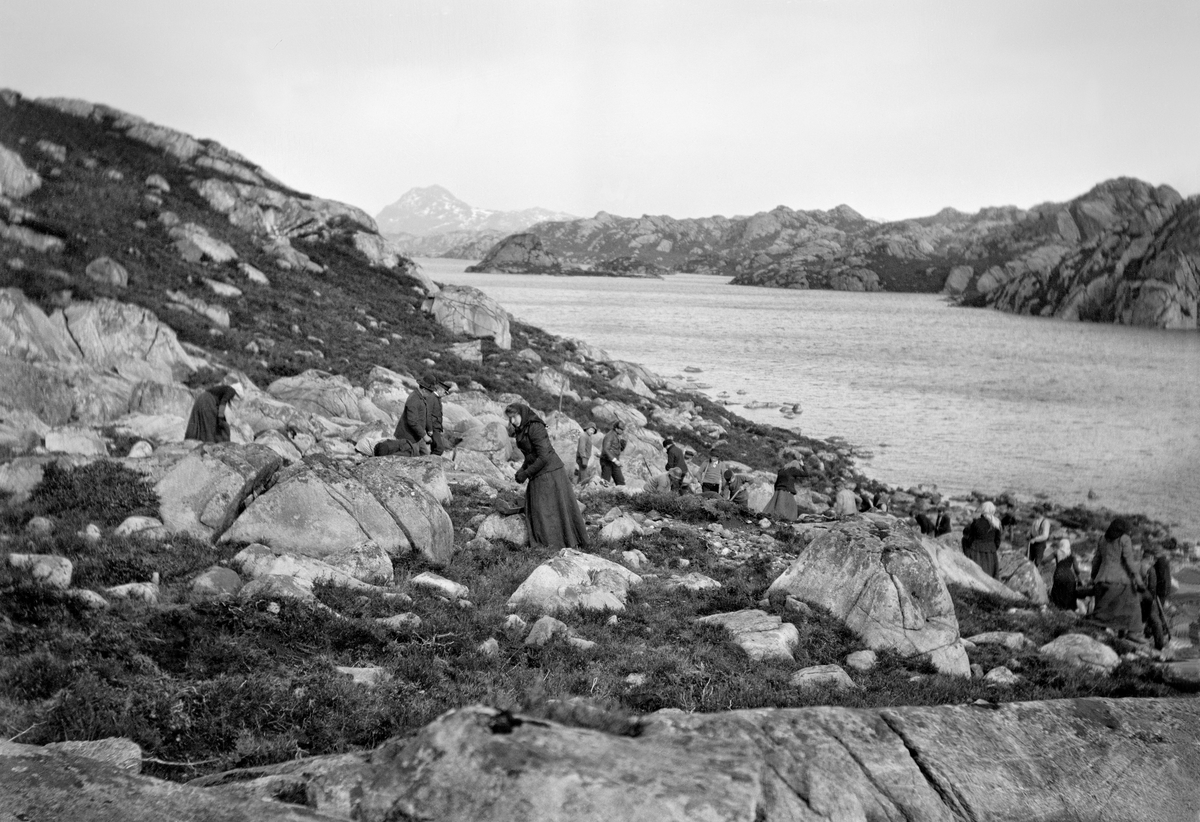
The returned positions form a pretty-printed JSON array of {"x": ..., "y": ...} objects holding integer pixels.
[
  {"x": 1118, "y": 253},
  {"x": 432, "y": 222},
  {"x": 524, "y": 254}
]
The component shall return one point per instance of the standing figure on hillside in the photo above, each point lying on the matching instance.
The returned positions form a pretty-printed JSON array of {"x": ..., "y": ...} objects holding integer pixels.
[
  {"x": 710, "y": 475},
  {"x": 981, "y": 540},
  {"x": 675, "y": 459},
  {"x": 583, "y": 452},
  {"x": 1153, "y": 615},
  {"x": 416, "y": 421},
  {"x": 1064, "y": 590},
  {"x": 207, "y": 421},
  {"x": 437, "y": 432},
  {"x": 783, "y": 502},
  {"x": 551, "y": 512},
  {"x": 1039, "y": 538},
  {"x": 611, "y": 449},
  {"x": 942, "y": 525},
  {"x": 1116, "y": 580}
]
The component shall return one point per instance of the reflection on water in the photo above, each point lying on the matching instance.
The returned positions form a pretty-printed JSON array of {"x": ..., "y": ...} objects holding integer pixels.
[{"x": 965, "y": 399}]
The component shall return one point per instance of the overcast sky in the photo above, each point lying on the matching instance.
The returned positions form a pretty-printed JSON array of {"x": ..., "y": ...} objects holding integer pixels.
[{"x": 692, "y": 108}]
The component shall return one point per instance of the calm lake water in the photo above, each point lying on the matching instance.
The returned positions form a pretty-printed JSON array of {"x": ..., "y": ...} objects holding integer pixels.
[{"x": 961, "y": 398}]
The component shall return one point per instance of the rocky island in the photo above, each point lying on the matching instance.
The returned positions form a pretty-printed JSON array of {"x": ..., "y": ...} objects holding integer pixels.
[{"x": 285, "y": 626}]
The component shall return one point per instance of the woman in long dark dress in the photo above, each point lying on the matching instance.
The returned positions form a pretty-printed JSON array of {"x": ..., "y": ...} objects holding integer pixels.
[
  {"x": 981, "y": 540},
  {"x": 1064, "y": 590},
  {"x": 207, "y": 421},
  {"x": 783, "y": 502},
  {"x": 551, "y": 511},
  {"x": 1116, "y": 580}
]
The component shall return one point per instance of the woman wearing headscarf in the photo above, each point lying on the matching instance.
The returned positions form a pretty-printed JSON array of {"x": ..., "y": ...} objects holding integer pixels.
[
  {"x": 1117, "y": 583},
  {"x": 783, "y": 502},
  {"x": 551, "y": 511},
  {"x": 207, "y": 421},
  {"x": 981, "y": 540},
  {"x": 1064, "y": 590}
]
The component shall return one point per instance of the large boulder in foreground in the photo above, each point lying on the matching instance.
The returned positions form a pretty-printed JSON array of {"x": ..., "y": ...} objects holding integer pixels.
[
  {"x": 878, "y": 579},
  {"x": 318, "y": 509},
  {"x": 1094, "y": 759},
  {"x": 468, "y": 311},
  {"x": 204, "y": 492}
]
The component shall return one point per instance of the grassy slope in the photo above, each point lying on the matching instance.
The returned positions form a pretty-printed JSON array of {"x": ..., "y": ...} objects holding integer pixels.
[{"x": 215, "y": 686}]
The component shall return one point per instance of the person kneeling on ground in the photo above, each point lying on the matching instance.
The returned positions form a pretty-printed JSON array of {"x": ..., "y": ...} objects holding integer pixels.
[
  {"x": 207, "y": 421},
  {"x": 416, "y": 421},
  {"x": 845, "y": 504},
  {"x": 666, "y": 483},
  {"x": 551, "y": 511},
  {"x": 610, "y": 454},
  {"x": 737, "y": 488}
]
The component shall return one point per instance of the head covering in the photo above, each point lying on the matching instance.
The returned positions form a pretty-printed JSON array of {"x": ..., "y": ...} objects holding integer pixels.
[
  {"x": 524, "y": 412},
  {"x": 988, "y": 512},
  {"x": 223, "y": 393},
  {"x": 668, "y": 442},
  {"x": 1116, "y": 529},
  {"x": 1062, "y": 550},
  {"x": 589, "y": 426},
  {"x": 676, "y": 471},
  {"x": 728, "y": 475}
]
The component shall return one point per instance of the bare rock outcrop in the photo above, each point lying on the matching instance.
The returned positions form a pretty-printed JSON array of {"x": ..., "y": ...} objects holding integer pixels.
[
  {"x": 468, "y": 311},
  {"x": 884, "y": 585},
  {"x": 518, "y": 254}
]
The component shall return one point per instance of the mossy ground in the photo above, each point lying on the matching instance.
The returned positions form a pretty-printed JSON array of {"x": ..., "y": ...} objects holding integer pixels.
[{"x": 208, "y": 687}]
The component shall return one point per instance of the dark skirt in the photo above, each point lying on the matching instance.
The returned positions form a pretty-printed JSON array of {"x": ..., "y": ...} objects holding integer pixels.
[
  {"x": 1118, "y": 607},
  {"x": 1064, "y": 592},
  {"x": 987, "y": 560},
  {"x": 783, "y": 506},
  {"x": 552, "y": 513}
]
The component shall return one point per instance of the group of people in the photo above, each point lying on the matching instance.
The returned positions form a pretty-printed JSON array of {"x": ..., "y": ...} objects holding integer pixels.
[
  {"x": 420, "y": 431},
  {"x": 1129, "y": 593}
]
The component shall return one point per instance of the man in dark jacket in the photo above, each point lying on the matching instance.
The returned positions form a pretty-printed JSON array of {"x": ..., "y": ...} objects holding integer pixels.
[
  {"x": 675, "y": 459},
  {"x": 610, "y": 454},
  {"x": 416, "y": 422},
  {"x": 437, "y": 444}
]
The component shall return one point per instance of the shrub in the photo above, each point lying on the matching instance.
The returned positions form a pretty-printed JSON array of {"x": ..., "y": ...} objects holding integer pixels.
[{"x": 104, "y": 492}]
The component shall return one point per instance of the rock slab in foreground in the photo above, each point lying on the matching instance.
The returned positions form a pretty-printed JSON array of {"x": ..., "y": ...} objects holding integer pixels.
[{"x": 1066, "y": 759}]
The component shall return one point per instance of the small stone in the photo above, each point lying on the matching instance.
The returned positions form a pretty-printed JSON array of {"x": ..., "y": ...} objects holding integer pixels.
[
  {"x": 1000, "y": 677},
  {"x": 976, "y": 671},
  {"x": 862, "y": 660},
  {"x": 401, "y": 623},
  {"x": 140, "y": 450},
  {"x": 91, "y": 532},
  {"x": 40, "y": 526},
  {"x": 489, "y": 647},
  {"x": 46, "y": 569},
  {"x": 365, "y": 676},
  {"x": 439, "y": 584},
  {"x": 515, "y": 626},
  {"x": 612, "y": 620},
  {"x": 273, "y": 608}
]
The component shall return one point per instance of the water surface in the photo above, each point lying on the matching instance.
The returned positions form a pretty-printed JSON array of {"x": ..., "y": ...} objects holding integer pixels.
[{"x": 961, "y": 398}]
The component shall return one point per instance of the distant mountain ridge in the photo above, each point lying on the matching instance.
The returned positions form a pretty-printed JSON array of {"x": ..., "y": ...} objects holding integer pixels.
[{"x": 431, "y": 210}]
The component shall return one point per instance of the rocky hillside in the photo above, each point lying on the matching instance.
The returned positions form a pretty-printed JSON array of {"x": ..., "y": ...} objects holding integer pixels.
[
  {"x": 279, "y": 620},
  {"x": 432, "y": 222},
  {"x": 525, "y": 254}
]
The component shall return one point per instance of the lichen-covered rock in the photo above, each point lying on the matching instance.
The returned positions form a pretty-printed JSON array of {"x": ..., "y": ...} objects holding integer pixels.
[
  {"x": 45, "y": 569},
  {"x": 204, "y": 492},
  {"x": 573, "y": 579},
  {"x": 884, "y": 585},
  {"x": 318, "y": 392},
  {"x": 16, "y": 179},
  {"x": 759, "y": 634},
  {"x": 468, "y": 311},
  {"x": 1081, "y": 651}
]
